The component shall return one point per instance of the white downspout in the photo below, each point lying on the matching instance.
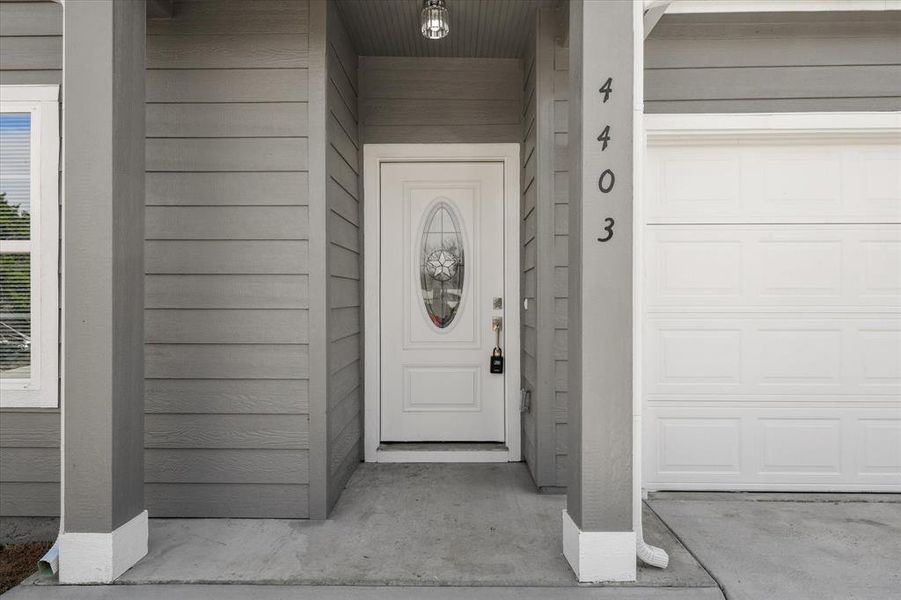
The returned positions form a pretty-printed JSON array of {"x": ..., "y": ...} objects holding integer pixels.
[
  {"x": 48, "y": 565},
  {"x": 649, "y": 555}
]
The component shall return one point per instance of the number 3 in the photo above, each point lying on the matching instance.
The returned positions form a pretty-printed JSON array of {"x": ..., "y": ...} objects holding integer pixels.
[{"x": 608, "y": 230}]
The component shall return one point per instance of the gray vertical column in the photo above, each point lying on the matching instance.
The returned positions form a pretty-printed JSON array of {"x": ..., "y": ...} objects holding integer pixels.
[
  {"x": 599, "y": 540},
  {"x": 318, "y": 259},
  {"x": 103, "y": 288}
]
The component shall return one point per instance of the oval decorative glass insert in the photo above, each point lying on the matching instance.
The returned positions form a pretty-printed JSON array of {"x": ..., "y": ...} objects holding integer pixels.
[{"x": 441, "y": 264}]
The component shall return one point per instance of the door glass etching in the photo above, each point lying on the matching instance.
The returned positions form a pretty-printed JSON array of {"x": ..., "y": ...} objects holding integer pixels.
[{"x": 441, "y": 264}]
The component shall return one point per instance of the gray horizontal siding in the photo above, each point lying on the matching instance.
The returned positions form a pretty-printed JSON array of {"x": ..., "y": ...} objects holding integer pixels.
[
  {"x": 226, "y": 222},
  {"x": 528, "y": 257},
  {"x": 206, "y": 291},
  {"x": 227, "y": 396},
  {"x": 559, "y": 284},
  {"x": 30, "y": 53},
  {"x": 226, "y": 154},
  {"x": 440, "y": 100},
  {"x": 230, "y": 119},
  {"x": 226, "y": 259},
  {"x": 236, "y": 16},
  {"x": 224, "y": 189},
  {"x": 227, "y": 85},
  {"x": 227, "y": 50},
  {"x": 539, "y": 252},
  {"x": 233, "y": 257},
  {"x": 344, "y": 403},
  {"x": 221, "y": 500},
  {"x": 789, "y": 62}
]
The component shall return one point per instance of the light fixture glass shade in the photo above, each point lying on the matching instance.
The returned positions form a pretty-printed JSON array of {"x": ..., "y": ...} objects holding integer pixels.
[{"x": 434, "y": 20}]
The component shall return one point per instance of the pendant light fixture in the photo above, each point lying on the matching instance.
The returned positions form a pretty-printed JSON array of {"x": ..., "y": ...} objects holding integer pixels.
[{"x": 434, "y": 19}]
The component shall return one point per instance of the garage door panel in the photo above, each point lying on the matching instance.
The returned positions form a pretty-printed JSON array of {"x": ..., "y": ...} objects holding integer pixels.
[
  {"x": 800, "y": 446},
  {"x": 790, "y": 180},
  {"x": 772, "y": 304},
  {"x": 762, "y": 448},
  {"x": 737, "y": 357},
  {"x": 879, "y": 447},
  {"x": 880, "y": 356},
  {"x": 701, "y": 182},
  {"x": 679, "y": 452},
  {"x": 881, "y": 267},
  {"x": 737, "y": 267}
]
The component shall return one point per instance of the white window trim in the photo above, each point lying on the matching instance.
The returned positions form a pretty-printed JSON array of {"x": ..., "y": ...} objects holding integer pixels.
[
  {"x": 42, "y": 103},
  {"x": 739, "y": 6}
]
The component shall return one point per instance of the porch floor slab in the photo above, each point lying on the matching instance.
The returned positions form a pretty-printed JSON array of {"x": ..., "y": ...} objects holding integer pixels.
[{"x": 400, "y": 525}]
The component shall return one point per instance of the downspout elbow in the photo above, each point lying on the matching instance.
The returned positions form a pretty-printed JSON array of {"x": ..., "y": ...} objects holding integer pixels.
[
  {"x": 648, "y": 554},
  {"x": 49, "y": 563}
]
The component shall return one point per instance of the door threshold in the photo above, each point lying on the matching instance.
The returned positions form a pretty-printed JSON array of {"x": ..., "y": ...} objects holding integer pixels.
[{"x": 442, "y": 452}]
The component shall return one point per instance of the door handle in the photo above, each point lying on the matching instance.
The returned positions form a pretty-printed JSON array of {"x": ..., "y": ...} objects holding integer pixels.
[{"x": 496, "y": 364}]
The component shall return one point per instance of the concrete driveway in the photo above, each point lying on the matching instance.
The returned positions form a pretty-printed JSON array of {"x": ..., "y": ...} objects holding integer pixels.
[{"x": 791, "y": 546}]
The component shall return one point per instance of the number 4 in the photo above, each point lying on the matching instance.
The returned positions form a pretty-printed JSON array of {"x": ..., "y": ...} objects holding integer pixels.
[
  {"x": 607, "y": 89},
  {"x": 604, "y": 137}
]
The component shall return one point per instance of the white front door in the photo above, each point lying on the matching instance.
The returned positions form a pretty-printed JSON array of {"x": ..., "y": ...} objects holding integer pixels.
[{"x": 442, "y": 287}]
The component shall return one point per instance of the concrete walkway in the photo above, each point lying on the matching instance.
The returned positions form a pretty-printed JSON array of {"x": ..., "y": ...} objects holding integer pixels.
[
  {"x": 398, "y": 524},
  {"x": 792, "y": 546}
]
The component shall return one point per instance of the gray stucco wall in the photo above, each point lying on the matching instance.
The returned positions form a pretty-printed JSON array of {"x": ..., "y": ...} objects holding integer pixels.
[
  {"x": 30, "y": 52},
  {"x": 227, "y": 273},
  {"x": 344, "y": 255}
]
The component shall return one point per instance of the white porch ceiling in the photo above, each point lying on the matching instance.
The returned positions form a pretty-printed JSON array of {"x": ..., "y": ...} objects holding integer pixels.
[{"x": 478, "y": 28}]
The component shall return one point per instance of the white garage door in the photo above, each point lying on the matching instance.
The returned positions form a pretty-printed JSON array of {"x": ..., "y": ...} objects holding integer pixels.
[{"x": 772, "y": 303}]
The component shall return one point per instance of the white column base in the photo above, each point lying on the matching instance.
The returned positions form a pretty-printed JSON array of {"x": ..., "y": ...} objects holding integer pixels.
[
  {"x": 599, "y": 555},
  {"x": 102, "y": 557}
]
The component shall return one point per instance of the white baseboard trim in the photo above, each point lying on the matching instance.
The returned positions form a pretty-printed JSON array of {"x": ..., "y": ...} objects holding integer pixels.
[
  {"x": 102, "y": 557},
  {"x": 599, "y": 555}
]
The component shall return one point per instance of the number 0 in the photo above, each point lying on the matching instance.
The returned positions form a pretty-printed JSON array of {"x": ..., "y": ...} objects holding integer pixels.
[{"x": 606, "y": 181}]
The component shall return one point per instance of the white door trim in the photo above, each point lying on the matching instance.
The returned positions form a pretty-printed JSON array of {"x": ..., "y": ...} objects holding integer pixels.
[{"x": 373, "y": 156}]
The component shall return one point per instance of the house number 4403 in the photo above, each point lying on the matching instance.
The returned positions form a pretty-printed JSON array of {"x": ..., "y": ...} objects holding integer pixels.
[{"x": 608, "y": 178}]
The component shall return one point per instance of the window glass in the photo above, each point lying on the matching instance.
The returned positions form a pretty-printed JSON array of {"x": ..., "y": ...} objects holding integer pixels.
[
  {"x": 15, "y": 176},
  {"x": 441, "y": 264},
  {"x": 15, "y": 316},
  {"x": 15, "y": 265}
]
